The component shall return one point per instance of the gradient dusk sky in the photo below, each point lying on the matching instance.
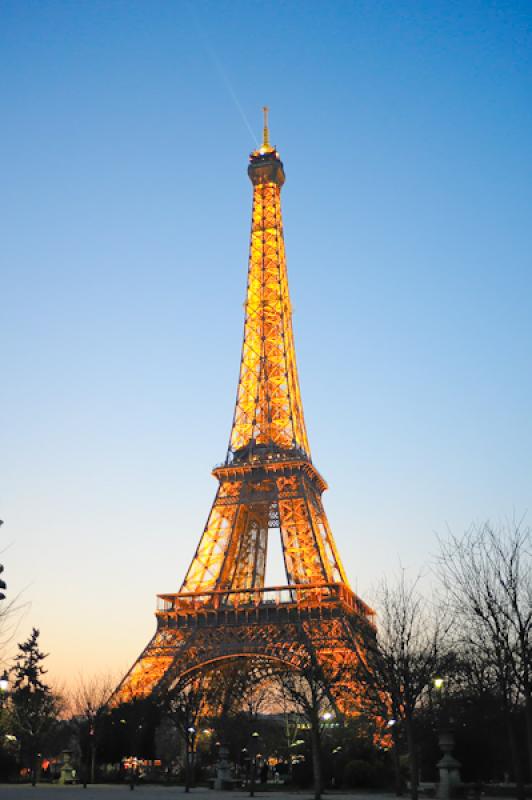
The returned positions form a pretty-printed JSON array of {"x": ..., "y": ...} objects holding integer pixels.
[{"x": 405, "y": 129}]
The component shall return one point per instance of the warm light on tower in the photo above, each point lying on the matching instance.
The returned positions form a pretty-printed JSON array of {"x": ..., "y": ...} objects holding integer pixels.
[{"x": 267, "y": 482}]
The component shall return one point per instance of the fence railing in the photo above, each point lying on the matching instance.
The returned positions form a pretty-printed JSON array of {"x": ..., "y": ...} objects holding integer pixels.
[{"x": 274, "y": 596}]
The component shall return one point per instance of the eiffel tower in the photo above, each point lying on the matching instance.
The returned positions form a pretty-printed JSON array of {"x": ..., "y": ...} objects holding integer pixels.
[{"x": 267, "y": 481}]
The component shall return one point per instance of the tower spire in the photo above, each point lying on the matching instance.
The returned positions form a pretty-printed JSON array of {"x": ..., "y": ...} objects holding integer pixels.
[
  {"x": 266, "y": 131},
  {"x": 268, "y": 415}
]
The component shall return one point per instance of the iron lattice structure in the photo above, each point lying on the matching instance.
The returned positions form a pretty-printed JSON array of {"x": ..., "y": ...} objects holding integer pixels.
[{"x": 267, "y": 481}]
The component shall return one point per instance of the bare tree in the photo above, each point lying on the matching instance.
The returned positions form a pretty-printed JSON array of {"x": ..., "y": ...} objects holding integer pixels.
[
  {"x": 485, "y": 670},
  {"x": 224, "y": 696},
  {"x": 487, "y": 573},
  {"x": 410, "y": 650},
  {"x": 239, "y": 686},
  {"x": 10, "y": 615},
  {"x": 184, "y": 706},
  {"x": 88, "y": 703},
  {"x": 166, "y": 744},
  {"x": 314, "y": 689}
]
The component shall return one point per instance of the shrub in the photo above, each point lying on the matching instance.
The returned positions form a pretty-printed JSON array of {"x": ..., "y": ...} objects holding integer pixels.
[{"x": 359, "y": 774}]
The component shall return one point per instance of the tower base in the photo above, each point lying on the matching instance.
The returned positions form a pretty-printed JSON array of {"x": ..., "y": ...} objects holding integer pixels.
[{"x": 275, "y": 624}]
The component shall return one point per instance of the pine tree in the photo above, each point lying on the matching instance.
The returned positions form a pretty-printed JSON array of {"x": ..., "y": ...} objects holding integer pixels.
[{"x": 33, "y": 704}]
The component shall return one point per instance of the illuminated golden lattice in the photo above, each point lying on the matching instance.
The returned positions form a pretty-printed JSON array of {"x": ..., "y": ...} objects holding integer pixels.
[
  {"x": 223, "y": 610},
  {"x": 268, "y": 428},
  {"x": 268, "y": 407}
]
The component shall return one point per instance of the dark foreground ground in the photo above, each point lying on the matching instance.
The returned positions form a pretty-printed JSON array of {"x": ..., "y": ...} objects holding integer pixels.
[
  {"x": 116, "y": 791},
  {"x": 49, "y": 791}
]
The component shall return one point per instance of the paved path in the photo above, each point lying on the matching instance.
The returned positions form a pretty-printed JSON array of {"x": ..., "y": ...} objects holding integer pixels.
[
  {"x": 121, "y": 791},
  {"x": 49, "y": 791}
]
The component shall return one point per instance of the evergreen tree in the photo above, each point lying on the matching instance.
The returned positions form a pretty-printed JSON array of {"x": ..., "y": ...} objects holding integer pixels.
[{"x": 33, "y": 704}]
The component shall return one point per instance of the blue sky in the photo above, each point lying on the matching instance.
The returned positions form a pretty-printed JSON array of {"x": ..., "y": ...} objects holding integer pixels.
[{"x": 405, "y": 131}]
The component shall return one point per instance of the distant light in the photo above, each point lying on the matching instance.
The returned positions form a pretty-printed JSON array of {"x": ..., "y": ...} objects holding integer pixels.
[
  {"x": 327, "y": 715},
  {"x": 438, "y": 683},
  {"x": 391, "y": 723}
]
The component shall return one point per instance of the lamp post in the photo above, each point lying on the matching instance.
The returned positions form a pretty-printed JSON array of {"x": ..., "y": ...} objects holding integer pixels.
[
  {"x": 243, "y": 766},
  {"x": 392, "y": 726},
  {"x": 189, "y": 745},
  {"x": 448, "y": 766},
  {"x": 4, "y": 691},
  {"x": 253, "y": 753},
  {"x": 133, "y": 758},
  {"x": 335, "y": 754},
  {"x": 4, "y": 687},
  {"x": 133, "y": 738},
  {"x": 439, "y": 686}
]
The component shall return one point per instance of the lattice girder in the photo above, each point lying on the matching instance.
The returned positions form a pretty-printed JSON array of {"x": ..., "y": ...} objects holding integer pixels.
[
  {"x": 174, "y": 654},
  {"x": 267, "y": 482},
  {"x": 232, "y": 550},
  {"x": 268, "y": 408}
]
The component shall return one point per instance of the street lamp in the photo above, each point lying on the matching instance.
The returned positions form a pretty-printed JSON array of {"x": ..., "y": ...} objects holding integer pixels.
[
  {"x": 4, "y": 687},
  {"x": 393, "y": 727},
  {"x": 4, "y": 682},
  {"x": 334, "y": 755},
  {"x": 191, "y": 732},
  {"x": 254, "y": 747},
  {"x": 448, "y": 766}
]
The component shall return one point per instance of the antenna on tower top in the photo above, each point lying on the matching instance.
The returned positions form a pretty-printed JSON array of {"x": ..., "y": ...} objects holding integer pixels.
[{"x": 266, "y": 133}]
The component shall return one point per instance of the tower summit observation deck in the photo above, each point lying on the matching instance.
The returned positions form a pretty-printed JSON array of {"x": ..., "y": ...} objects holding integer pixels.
[{"x": 267, "y": 482}]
